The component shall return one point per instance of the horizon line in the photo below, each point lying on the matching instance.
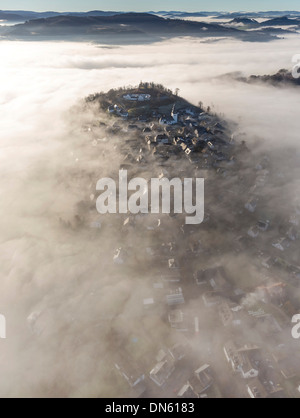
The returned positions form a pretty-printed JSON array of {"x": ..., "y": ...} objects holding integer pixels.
[{"x": 149, "y": 11}]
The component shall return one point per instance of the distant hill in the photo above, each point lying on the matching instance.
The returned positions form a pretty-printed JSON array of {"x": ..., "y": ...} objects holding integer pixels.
[
  {"x": 244, "y": 21},
  {"x": 116, "y": 25},
  {"x": 110, "y": 26},
  {"x": 11, "y": 17},
  {"x": 281, "y": 78},
  {"x": 256, "y": 15},
  {"x": 23, "y": 15},
  {"x": 281, "y": 21}
]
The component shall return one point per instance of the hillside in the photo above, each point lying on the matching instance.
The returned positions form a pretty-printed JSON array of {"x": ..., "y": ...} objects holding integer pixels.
[
  {"x": 162, "y": 100},
  {"x": 281, "y": 78},
  {"x": 135, "y": 25},
  {"x": 281, "y": 21}
]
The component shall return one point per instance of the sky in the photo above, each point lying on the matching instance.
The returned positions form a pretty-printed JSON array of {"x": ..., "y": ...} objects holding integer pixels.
[{"x": 136, "y": 5}]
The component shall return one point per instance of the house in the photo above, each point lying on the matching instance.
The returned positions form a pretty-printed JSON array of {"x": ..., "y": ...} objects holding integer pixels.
[
  {"x": 178, "y": 320},
  {"x": 167, "y": 120},
  {"x": 240, "y": 359},
  {"x": 172, "y": 263},
  {"x": 187, "y": 392},
  {"x": 268, "y": 262},
  {"x": 217, "y": 279},
  {"x": 204, "y": 117},
  {"x": 132, "y": 127},
  {"x": 183, "y": 146},
  {"x": 137, "y": 97},
  {"x": 261, "y": 180},
  {"x": 202, "y": 379},
  {"x": 142, "y": 118},
  {"x": 282, "y": 244},
  {"x": 218, "y": 128},
  {"x": 251, "y": 204},
  {"x": 161, "y": 355},
  {"x": 162, "y": 371},
  {"x": 171, "y": 276},
  {"x": 117, "y": 108},
  {"x": 215, "y": 276},
  {"x": 189, "y": 149},
  {"x": 119, "y": 256},
  {"x": 162, "y": 139},
  {"x": 178, "y": 140},
  {"x": 196, "y": 325},
  {"x": 253, "y": 232},
  {"x": 207, "y": 137},
  {"x": 170, "y": 120},
  {"x": 133, "y": 376},
  {"x": 256, "y": 390},
  {"x": 292, "y": 233},
  {"x": 199, "y": 278},
  {"x": 230, "y": 315},
  {"x": 211, "y": 299},
  {"x": 148, "y": 303},
  {"x": 219, "y": 156},
  {"x": 275, "y": 293},
  {"x": 195, "y": 247},
  {"x": 175, "y": 297},
  {"x": 294, "y": 219},
  {"x": 124, "y": 114},
  {"x": 263, "y": 225},
  {"x": 284, "y": 362},
  {"x": 211, "y": 145},
  {"x": 178, "y": 351},
  {"x": 190, "y": 111}
]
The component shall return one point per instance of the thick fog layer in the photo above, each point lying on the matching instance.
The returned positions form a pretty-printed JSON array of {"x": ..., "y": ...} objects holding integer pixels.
[{"x": 65, "y": 302}]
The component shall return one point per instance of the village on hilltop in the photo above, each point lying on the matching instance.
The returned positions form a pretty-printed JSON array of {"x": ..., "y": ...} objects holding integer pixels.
[{"x": 244, "y": 313}]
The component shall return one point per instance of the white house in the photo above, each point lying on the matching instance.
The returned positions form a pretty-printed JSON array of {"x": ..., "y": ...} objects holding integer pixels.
[
  {"x": 162, "y": 371},
  {"x": 239, "y": 359},
  {"x": 137, "y": 97},
  {"x": 251, "y": 204},
  {"x": 130, "y": 374},
  {"x": 167, "y": 120},
  {"x": 175, "y": 297}
]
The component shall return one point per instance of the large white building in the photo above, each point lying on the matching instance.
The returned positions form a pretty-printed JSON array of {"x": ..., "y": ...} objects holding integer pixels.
[{"x": 137, "y": 97}]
